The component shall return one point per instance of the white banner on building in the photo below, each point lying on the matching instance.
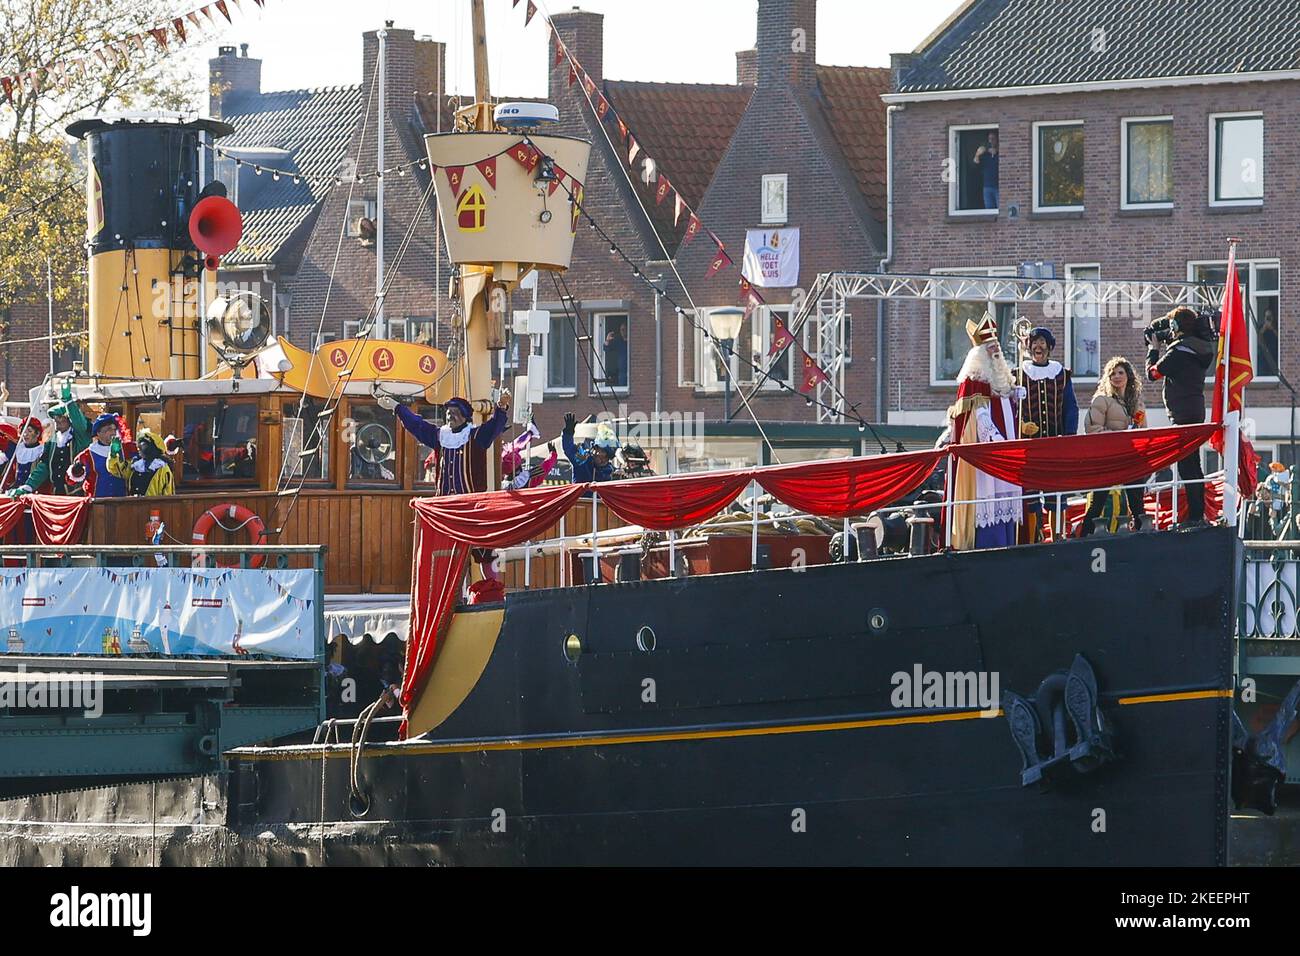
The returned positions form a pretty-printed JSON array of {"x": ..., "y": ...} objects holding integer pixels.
[
  {"x": 169, "y": 611},
  {"x": 772, "y": 257}
]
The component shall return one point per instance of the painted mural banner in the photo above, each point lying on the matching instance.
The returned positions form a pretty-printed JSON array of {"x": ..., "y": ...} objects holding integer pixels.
[
  {"x": 229, "y": 612},
  {"x": 771, "y": 257}
]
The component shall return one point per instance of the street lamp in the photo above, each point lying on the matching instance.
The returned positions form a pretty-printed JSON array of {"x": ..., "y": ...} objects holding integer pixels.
[{"x": 725, "y": 325}]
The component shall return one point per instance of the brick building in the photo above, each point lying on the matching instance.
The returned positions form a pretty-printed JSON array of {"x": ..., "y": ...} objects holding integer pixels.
[{"x": 1127, "y": 151}]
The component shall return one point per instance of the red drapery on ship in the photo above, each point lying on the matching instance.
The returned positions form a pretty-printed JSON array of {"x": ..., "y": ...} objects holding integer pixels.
[
  {"x": 448, "y": 527},
  {"x": 56, "y": 520}
]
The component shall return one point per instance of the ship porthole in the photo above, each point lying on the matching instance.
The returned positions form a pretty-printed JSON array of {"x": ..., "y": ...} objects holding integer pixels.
[
  {"x": 572, "y": 648},
  {"x": 877, "y": 620},
  {"x": 645, "y": 639}
]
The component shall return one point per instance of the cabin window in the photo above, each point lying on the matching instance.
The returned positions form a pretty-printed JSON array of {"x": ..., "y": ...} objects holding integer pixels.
[
  {"x": 220, "y": 440},
  {"x": 370, "y": 434},
  {"x": 299, "y": 433},
  {"x": 150, "y": 417}
]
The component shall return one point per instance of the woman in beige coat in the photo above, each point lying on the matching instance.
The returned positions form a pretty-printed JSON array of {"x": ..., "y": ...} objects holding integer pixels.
[{"x": 1116, "y": 406}]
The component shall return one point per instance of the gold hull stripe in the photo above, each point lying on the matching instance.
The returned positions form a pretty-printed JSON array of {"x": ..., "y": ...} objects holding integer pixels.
[{"x": 552, "y": 743}]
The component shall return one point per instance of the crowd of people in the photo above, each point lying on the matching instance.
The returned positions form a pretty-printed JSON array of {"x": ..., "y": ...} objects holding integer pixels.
[
  {"x": 1036, "y": 400},
  {"x": 72, "y": 455}
]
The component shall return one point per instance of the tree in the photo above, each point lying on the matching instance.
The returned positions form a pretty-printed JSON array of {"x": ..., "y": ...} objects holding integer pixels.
[{"x": 84, "y": 64}]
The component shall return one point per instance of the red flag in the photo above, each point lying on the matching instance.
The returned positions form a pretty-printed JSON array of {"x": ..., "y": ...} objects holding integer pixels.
[
  {"x": 662, "y": 189},
  {"x": 720, "y": 261},
  {"x": 513, "y": 4},
  {"x": 532, "y": 12},
  {"x": 8, "y": 84},
  {"x": 573, "y": 74},
  {"x": 622, "y": 128},
  {"x": 207, "y": 12},
  {"x": 525, "y": 155},
  {"x": 559, "y": 50},
  {"x": 179, "y": 24},
  {"x": 589, "y": 84},
  {"x": 576, "y": 207},
  {"x": 812, "y": 374},
  {"x": 693, "y": 225},
  {"x": 748, "y": 294},
  {"x": 488, "y": 169},
  {"x": 221, "y": 5},
  {"x": 602, "y": 106},
  {"x": 555, "y": 183},
  {"x": 1234, "y": 336},
  {"x": 193, "y": 17},
  {"x": 781, "y": 338},
  {"x": 159, "y": 34},
  {"x": 455, "y": 178}
]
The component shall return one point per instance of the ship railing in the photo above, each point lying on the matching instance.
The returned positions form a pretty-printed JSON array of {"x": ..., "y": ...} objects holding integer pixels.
[
  {"x": 1267, "y": 608},
  {"x": 618, "y": 538},
  {"x": 274, "y": 556}
]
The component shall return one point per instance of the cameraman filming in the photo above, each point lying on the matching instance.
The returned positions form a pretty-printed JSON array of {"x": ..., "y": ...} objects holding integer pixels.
[{"x": 1189, "y": 340}]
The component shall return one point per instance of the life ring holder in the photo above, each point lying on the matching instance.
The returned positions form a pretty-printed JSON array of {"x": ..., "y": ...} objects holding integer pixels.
[{"x": 243, "y": 519}]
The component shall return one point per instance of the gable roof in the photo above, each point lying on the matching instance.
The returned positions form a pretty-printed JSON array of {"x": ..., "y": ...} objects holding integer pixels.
[
  {"x": 855, "y": 114},
  {"x": 314, "y": 126},
  {"x": 993, "y": 44}
]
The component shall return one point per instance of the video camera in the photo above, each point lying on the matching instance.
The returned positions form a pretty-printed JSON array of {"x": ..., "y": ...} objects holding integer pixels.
[{"x": 1203, "y": 325}]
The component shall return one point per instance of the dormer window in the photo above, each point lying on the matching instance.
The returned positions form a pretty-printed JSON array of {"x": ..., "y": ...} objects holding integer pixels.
[{"x": 775, "y": 193}]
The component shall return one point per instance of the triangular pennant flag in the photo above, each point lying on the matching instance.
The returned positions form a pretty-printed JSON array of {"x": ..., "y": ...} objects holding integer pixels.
[
  {"x": 573, "y": 75},
  {"x": 455, "y": 178},
  {"x": 748, "y": 294},
  {"x": 662, "y": 189},
  {"x": 207, "y": 12},
  {"x": 138, "y": 40},
  {"x": 693, "y": 225},
  {"x": 525, "y": 155},
  {"x": 602, "y": 106},
  {"x": 179, "y": 24},
  {"x": 633, "y": 148},
  {"x": 513, "y": 4},
  {"x": 193, "y": 17},
  {"x": 159, "y": 34},
  {"x": 8, "y": 83},
  {"x": 488, "y": 169},
  {"x": 555, "y": 183},
  {"x": 588, "y": 84},
  {"x": 260, "y": 3},
  {"x": 532, "y": 12},
  {"x": 622, "y": 128},
  {"x": 559, "y": 51},
  {"x": 678, "y": 205},
  {"x": 781, "y": 338},
  {"x": 575, "y": 206},
  {"x": 720, "y": 261},
  {"x": 221, "y": 5},
  {"x": 812, "y": 374}
]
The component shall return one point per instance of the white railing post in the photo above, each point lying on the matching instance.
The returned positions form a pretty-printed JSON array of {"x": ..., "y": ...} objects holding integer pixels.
[
  {"x": 595, "y": 551},
  {"x": 672, "y": 554},
  {"x": 1173, "y": 498},
  {"x": 948, "y": 492},
  {"x": 564, "y": 556},
  {"x": 753, "y": 541},
  {"x": 528, "y": 564}
]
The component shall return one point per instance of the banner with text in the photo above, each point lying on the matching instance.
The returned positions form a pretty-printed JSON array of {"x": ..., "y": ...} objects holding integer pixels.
[
  {"x": 771, "y": 257},
  {"x": 167, "y": 611}
]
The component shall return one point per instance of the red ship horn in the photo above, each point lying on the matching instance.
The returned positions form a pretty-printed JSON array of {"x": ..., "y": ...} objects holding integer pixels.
[{"x": 215, "y": 227}]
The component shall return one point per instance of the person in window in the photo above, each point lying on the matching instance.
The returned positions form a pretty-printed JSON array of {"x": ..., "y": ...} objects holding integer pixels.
[
  {"x": 986, "y": 158},
  {"x": 1116, "y": 406},
  {"x": 591, "y": 462},
  {"x": 150, "y": 476},
  {"x": 459, "y": 448},
  {"x": 102, "y": 469},
  {"x": 616, "y": 355}
]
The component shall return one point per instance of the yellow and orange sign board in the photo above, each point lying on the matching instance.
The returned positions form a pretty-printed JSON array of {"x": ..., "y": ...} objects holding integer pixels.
[{"x": 364, "y": 360}]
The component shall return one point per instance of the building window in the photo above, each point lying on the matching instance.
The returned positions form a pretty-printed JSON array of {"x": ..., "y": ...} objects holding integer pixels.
[
  {"x": 358, "y": 210},
  {"x": 219, "y": 441},
  {"x": 948, "y": 317},
  {"x": 1147, "y": 162},
  {"x": 751, "y": 347},
  {"x": 973, "y": 158},
  {"x": 1058, "y": 167},
  {"x": 228, "y": 173},
  {"x": 1260, "y": 289},
  {"x": 422, "y": 331},
  {"x": 1236, "y": 159},
  {"x": 318, "y": 340},
  {"x": 611, "y": 351},
  {"x": 298, "y": 434},
  {"x": 560, "y": 346},
  {"x": 775, "y": 195},
  {"x": 372, "y": 450},
  {"x": 1082, "y": 322}
]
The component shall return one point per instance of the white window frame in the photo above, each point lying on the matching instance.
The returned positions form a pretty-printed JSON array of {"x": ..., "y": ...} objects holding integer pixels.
[
  {"x": 414, "y": 321},
  {"x": 319, "y": 339},
  {"x": 954, "y": 161},
  {"x": 1123, "y": 162},
  {"x": 1251, "y": 265},
  {"x": 367, "y": 211},
  {"x": 1069, "y": 323},
  {"x": 225, "y": 169},
  {"x": 351, "y": 328},
  {"x": 767, "y": 218},
  {"x": 1213, "y": 179},
  {"x": 544, "y": 342},
  {"x": 995, "y": 272},
  {"x": 704, "y": 351},
  {"x": 1037, "y": 138},
  {"x": 598, "y": 352}
]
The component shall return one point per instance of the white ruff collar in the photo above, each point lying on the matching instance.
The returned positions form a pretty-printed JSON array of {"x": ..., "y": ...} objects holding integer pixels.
[
  {"x": 26, "y": 454},
  {"x": 138, "y": 465},
  {"x": 62, "y": 438},
  {"x": 101, "y": 450},
  {"x": 451, "y": 440},
  {"x": 1040, "y": 372}
]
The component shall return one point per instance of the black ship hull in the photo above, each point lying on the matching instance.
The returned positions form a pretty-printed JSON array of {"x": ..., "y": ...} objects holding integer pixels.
[{"x": 763, "y": 727}]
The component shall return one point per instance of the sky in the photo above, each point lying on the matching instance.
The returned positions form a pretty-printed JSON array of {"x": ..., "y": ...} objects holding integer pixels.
[{"x": 306, "y": 43}]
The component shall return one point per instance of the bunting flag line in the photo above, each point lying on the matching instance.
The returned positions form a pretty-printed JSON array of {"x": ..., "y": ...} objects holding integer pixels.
[
  {"x": 633, "y": 148},
  {"x": 573, "y": 74},
  {"x": 559, "y": 51},
  {"x": 812, "y": 374},
  {"x": 488, "y": 170},
  {"x": 455, "y": 178},
  {"x": 560, "y": 175},
  {"x": 720, "y": 261},
  {"x": 781, "y": 338},
  {"x": 662, "y": 189},
  {"x": 532, "y": 12},
  {"x": 602, "y": 107},
  {"x": 525, "y": 155}
]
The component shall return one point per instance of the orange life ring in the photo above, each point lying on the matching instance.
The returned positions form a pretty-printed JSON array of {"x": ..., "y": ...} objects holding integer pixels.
[{"x": 243, "y": 520}]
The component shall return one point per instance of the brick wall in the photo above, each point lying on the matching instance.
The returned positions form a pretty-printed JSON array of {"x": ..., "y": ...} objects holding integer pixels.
[{"x": 1146, "y": 245}]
